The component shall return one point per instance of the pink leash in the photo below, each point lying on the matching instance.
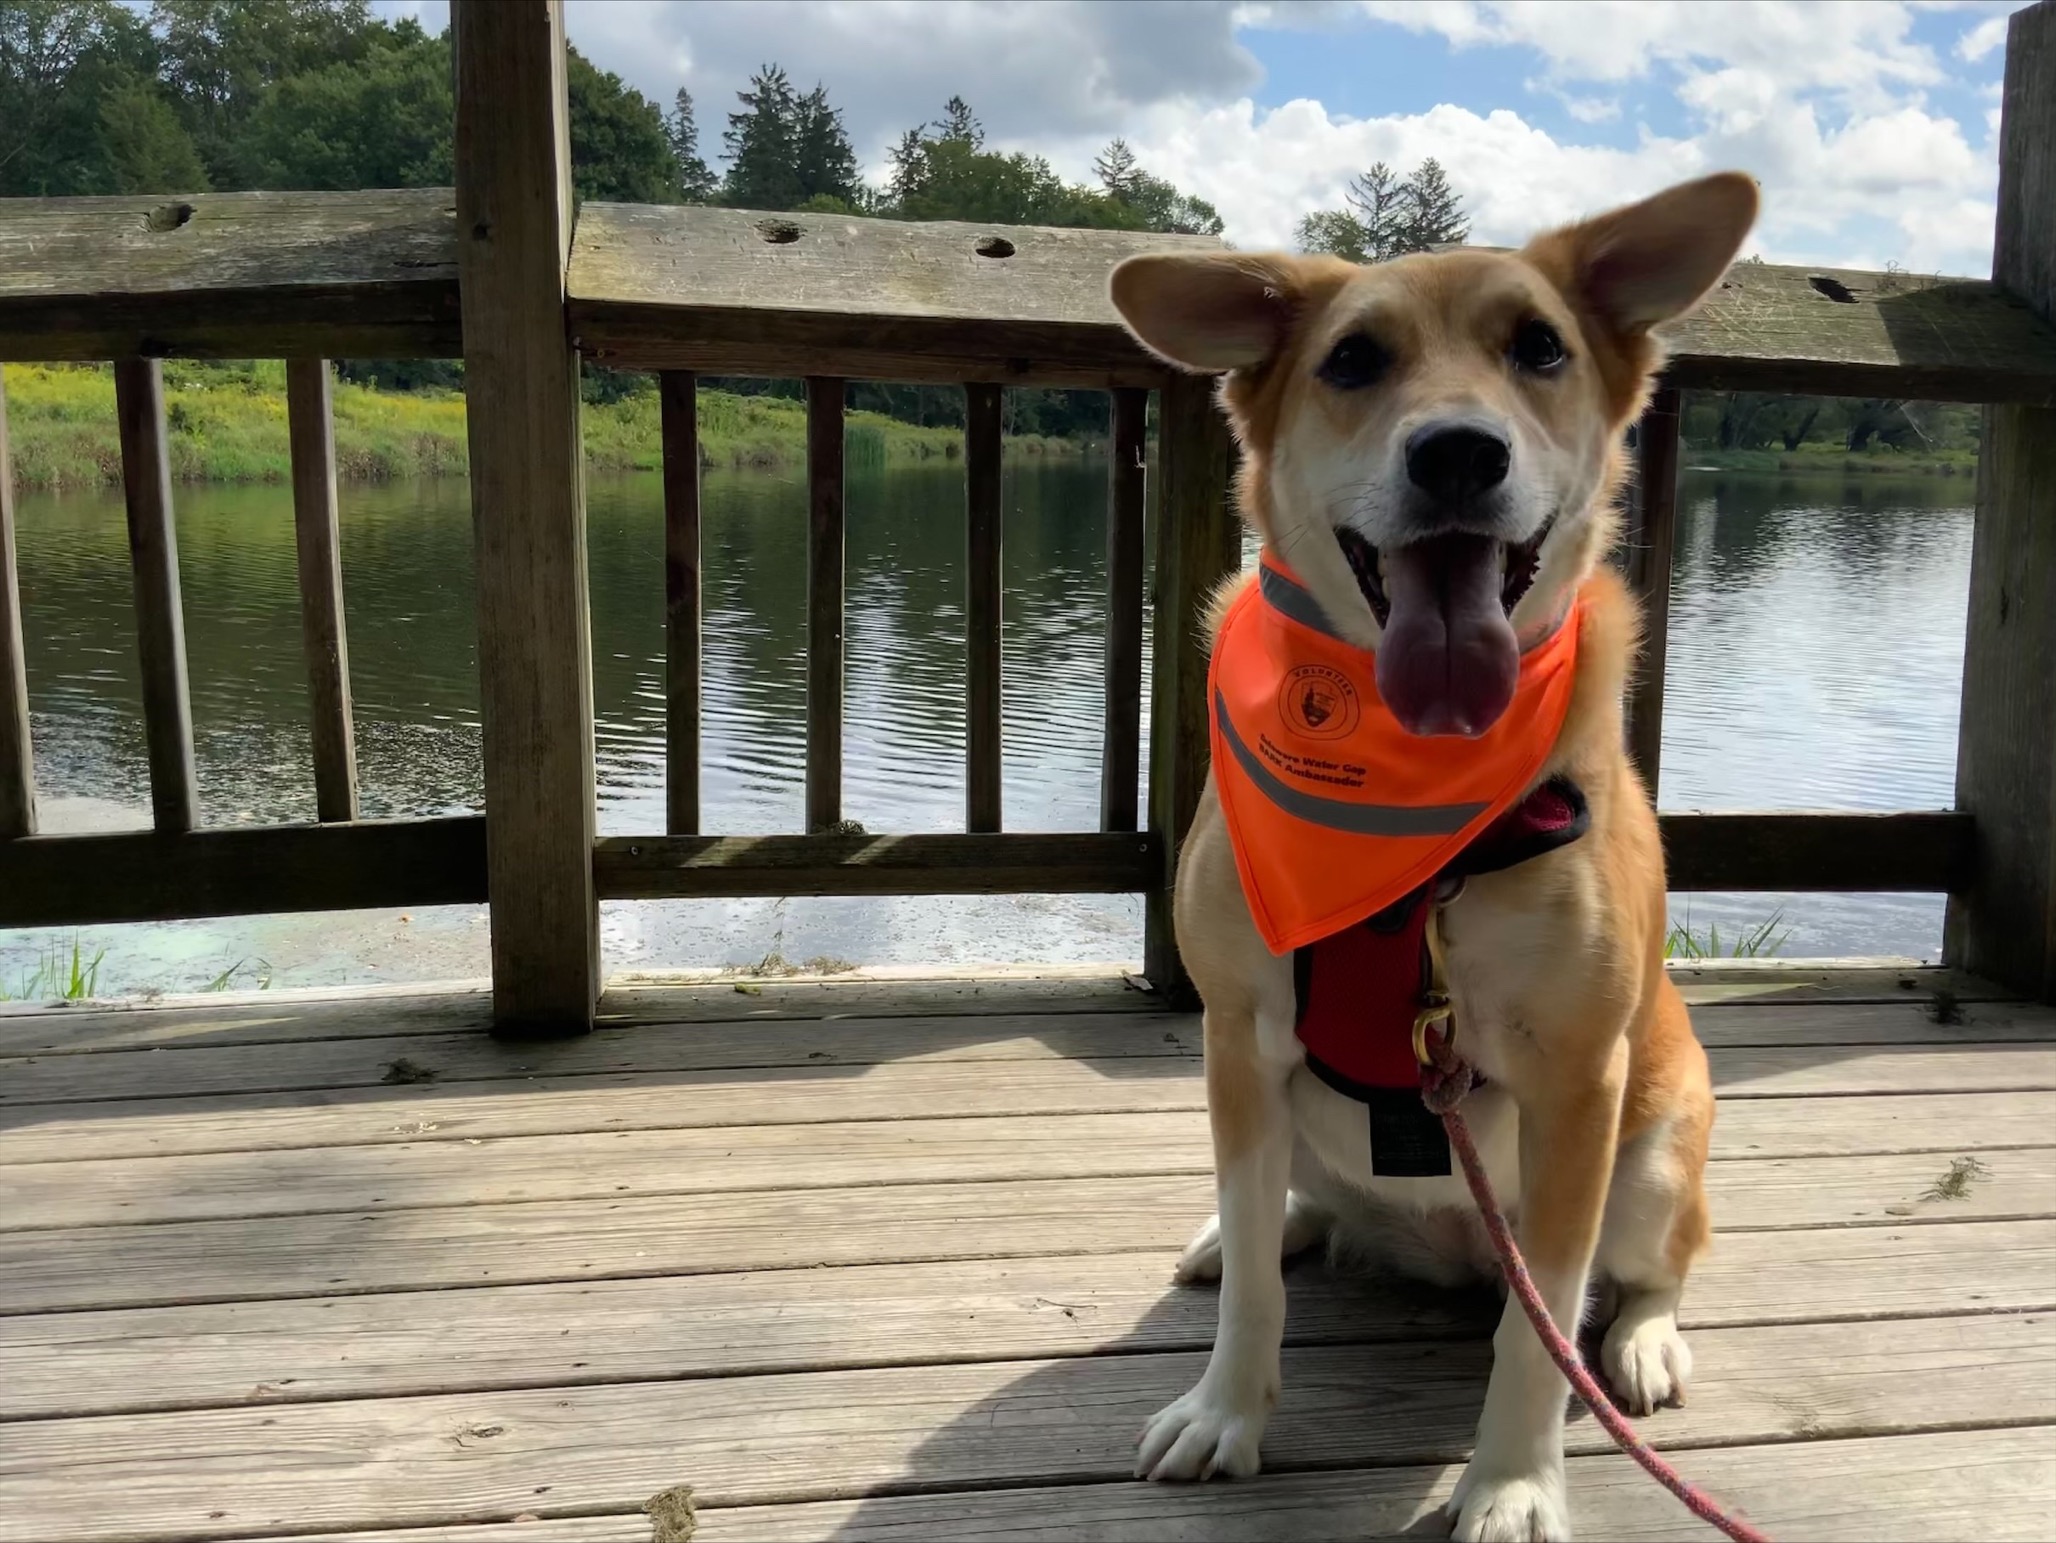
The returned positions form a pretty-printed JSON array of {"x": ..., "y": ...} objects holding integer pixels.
[{"x": 1444, "y": 1085}]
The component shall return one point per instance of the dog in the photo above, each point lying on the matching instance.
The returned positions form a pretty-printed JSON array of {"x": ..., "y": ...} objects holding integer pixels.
[{"x": 1431, "y": 449}]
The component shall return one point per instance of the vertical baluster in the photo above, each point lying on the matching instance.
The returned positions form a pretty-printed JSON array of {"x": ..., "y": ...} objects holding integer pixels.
[
  {"x": 160, "y": 623},
  {"x": 1198, "y": 543},
  {"x": 1651, "y": 538},
  {"x": 1121, "y": 756},
  {"x": 824, "y": 601},
  {"x": 678, "y": 392},
  {"x": 982, "y": 623},
  {"x": 311, "y": 426},
  {"x": 17, "y": 763}
]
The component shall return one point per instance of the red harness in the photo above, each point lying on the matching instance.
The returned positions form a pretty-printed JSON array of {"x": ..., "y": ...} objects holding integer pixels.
[{"x": 1359, "y": 989}]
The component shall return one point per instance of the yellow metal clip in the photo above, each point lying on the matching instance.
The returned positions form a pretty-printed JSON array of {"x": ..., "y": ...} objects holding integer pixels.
[
  {"x": 1435, "y": 1008},
  {"x": 1435, "y": 1005}
]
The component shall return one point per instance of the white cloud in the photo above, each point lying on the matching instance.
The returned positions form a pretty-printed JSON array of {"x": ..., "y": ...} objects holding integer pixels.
[
  {"x": 1982, "y": 39},
  {"x": 1861, "y": 50},
  {"x": 1266, "y": 169},
  {"x": 1831, "y": 104},
  {"x": 1911, "y": 176},
  {"x": 1592, "y": 109},
  {"x": 1825, "y": 103},
  {"x": 1032, "y": 72}
]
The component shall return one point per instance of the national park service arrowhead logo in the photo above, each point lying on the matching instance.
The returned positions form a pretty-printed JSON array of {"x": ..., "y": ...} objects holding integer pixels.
[{"x": 1319, "y": 702}]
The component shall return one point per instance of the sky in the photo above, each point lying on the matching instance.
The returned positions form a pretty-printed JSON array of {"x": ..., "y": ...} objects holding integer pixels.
[{"x": 1872, "y": 124}]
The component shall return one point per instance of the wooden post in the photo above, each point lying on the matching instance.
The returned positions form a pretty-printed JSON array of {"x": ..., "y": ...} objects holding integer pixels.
[
  {"x": 1121, "y": 752},
  {"x": 17, "y": 762},
  {"x": 824, "y": 602},
  {"x": 1650, "y": 541},
  {"x": 2004, "y": 926},
  {"x": 678, "y": 392},
  {"x": 160, "y": 617},
  {"x": 1198, "y": 543},
  {"x": 982, "y": 603},
  {"x": 528, "y": 511},
  {"x": 310, "y": 422}
]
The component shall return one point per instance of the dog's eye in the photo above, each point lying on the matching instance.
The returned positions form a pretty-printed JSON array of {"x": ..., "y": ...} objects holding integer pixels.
[
  {"x": 1537, "y": 347},
  {"x": 1355, "y": 362}
]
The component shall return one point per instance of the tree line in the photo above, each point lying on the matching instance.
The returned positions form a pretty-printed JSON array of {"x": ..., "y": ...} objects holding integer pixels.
[
  {"x": 1385, "y": 215},
  {"x": 99, "y": 96},
  {"x": 226, "y": 95},
  {"x": 1761, "y": 420}
]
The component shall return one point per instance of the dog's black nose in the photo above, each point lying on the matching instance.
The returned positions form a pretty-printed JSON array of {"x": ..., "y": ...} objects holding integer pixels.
[{"x": 1455, "y": 462}]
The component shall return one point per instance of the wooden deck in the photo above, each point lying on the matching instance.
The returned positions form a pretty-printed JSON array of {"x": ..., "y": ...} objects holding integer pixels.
[{"x": 891, "y": 1260}]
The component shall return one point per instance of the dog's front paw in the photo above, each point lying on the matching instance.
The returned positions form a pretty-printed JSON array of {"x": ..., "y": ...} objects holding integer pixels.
[
  {"x": 1202, "y": 1257},
  {"x": 1202, "y": 1434},
  {"x": 1646, "y": 1363},
  {"x": 1523, "y": 1508}
]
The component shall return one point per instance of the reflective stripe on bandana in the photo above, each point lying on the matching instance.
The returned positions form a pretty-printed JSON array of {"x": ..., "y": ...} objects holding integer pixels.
[{"x": 1335, "y": 811}]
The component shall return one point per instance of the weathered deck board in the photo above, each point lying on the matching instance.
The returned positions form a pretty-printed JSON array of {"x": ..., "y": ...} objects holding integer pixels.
[
  {"x": 318, "y": 1253},
  {"x": 871, "y": 1315},
  {"x": 1871, "y": 1024},
  {"x": 828, "y": 1435},
  {"x": 825, "y": 1092},
  {"x": 468, "y": 1056},
  {"x": 1751, "y": 982},
  {"x": 251, "y": 1018},
  {"x": 1860, "y": 1490},
  {"x": 377, "y": 1012},
  {"x": 1909, "y": 1489},
  {"x": 679, "y": 1101},
  {"x": 1819, "y": 1191}
]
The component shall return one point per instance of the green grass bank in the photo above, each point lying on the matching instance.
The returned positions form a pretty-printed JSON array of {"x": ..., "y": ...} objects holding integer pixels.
[
  {"x": 227, "y": 423},
  {"x": 1833, "y": 459}
]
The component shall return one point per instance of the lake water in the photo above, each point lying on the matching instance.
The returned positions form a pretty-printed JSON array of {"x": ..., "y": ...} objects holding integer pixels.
[{"x": 1816, "y": 651}]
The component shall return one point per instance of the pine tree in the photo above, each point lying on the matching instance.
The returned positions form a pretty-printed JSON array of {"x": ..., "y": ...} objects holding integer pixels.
[
  {"x": 762, "y": 144},
  {"x": 958, "y": 125},
  {"x": 1117, "y": 170},
  {"x": 909, "y": 168},
  {"x": 824, "y": 160},
  {"x": 1388, "y": 216},
  {"x": 1381, "y": 205},
  {"x": 696, "y": 184},
  {"x": 1433, "y": 213}
]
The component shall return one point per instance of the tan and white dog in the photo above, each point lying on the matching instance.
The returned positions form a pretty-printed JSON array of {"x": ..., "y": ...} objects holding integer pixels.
[{"x": 1597, "y": 1107}]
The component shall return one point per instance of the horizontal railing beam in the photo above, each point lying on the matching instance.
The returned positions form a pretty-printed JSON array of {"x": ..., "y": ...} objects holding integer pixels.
[
  {"x": 771, "y": 346},
  {"x": 230, "y": 276},
  {"x": 1057, "y": 863},
  {"x": 1917, "y": 851},
  {"x": 372, "y": 274},
  {"x": 142, "y": 876}
]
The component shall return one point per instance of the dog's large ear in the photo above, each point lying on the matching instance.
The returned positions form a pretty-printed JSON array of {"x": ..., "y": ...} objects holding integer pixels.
[
  {"x": 1209, "y": 311},
  {"x": 1648, "y": 262}
]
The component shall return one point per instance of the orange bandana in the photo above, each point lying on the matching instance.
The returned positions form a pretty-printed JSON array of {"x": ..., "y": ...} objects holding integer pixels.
[{"x": 1335, "y": 811}]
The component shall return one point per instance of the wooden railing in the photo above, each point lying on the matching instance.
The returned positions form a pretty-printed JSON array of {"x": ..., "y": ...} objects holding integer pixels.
[{"x": 508, "y": 282}]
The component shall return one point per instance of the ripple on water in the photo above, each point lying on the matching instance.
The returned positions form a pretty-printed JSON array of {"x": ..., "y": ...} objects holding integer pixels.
[{"x": 1815, "y": 656}]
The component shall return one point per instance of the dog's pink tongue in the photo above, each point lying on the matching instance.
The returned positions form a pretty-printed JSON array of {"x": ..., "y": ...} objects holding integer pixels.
[{"x": 1448, "y": 662}]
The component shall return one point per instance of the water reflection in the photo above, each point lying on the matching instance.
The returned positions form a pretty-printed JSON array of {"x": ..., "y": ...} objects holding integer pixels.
[{"x": 1816, "y": 649}]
